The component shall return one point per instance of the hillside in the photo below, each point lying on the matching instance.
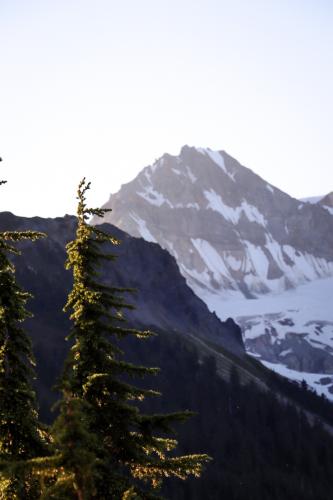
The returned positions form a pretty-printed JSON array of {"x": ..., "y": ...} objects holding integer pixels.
[
  {"x": 248, "y": 419},
  {"x": 247, "y": 249}
]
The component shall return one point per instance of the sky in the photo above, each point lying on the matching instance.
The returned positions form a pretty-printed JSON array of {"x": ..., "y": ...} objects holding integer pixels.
[{"x": 103, "y": 88}]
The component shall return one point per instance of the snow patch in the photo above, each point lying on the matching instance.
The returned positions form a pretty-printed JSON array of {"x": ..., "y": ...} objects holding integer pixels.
[
  {"x": 193, "y": 205},
  {"x": 185, "y": 173},
  {"x": 215, "y": 203},
  {"x": 211, "y": 257},
  {"x": 233, "y": 263},
  {"x": 258, "y": 259},
  {"x": 218, "y": 159},
  {"x": 190, "y": 174},
  {"x": 253, "y": 214},
  {"x": 285, "y": 352},
  {"x": 306, "y": 266},
  {"x": 231, "y": 214},
  {"x": 170, "y": 246},
  {"x": 154, "y": 197},
  {"x": 312, "y": 379},
  {"x": 142, "y": 228},
  {"x": 188, "y": 205},
  {"x": 329, "y": 209},
  {"x": 147, "y": 175}
]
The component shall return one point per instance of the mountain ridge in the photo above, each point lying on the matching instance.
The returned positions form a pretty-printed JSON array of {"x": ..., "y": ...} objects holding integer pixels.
[
  {"x": 244, "y": 222},
  {"x": 234, "y": 237},
  {"x": 163, "y": 301}
]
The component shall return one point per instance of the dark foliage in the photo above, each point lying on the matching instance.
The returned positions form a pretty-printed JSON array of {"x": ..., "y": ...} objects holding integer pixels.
[
  {"x": 105, "y": 448},
  {"x": 262, "y": 448},
  {"x": 302, "y": 394}
]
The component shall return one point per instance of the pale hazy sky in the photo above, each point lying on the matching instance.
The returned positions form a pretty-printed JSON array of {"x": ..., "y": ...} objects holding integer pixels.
[{"x": 102, "y": 88}]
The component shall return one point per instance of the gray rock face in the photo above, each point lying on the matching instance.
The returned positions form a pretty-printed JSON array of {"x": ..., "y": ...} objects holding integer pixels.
[
  {"x": 227, "y": 228},
  {"x": 236, "y": 237},
  {"x": 293, "y": 351},
  {"x": 327, "y": 200}
]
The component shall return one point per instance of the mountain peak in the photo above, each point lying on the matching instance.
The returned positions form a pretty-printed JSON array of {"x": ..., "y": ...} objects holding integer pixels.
[
  {"x": 236, "y": 237},
  {"x": 229, "y": 230}
]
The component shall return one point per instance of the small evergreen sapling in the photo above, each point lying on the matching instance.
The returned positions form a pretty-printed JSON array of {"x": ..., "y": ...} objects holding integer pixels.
[{"x": 132, "y": 454}]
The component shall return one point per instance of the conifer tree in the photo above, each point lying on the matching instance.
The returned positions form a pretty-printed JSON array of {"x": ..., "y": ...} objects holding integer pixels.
[
  {"x": 22, "y": 437},
  {"x": 132, "y": 454},
  {"x": 70, "y": 472}
]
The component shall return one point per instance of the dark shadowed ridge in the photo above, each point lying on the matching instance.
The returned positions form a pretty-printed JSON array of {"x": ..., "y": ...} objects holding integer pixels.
[{"x": 163, "y": 300}]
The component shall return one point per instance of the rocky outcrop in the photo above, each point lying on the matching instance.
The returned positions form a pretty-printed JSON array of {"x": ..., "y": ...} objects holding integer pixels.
[
  {"x": 327, "y": 200},
  {"x": 227, "y": 228}
]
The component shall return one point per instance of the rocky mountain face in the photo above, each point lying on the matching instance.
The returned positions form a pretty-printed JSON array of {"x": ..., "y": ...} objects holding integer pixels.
[
  {"x": 327, "y": 202},
  {"x": 228, "y": 229},
  {"x": 324, "y": 201},
  {"x": 238, "y": 240}
]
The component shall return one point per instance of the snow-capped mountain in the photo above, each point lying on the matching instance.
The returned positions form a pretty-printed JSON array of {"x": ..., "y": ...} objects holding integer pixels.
[
  {"x": 236, "y": 237},
  {"x": 229, "y": 230}
]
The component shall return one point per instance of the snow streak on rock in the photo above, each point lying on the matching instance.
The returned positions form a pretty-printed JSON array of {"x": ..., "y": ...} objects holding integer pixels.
[{"x": 240, "y": 241}]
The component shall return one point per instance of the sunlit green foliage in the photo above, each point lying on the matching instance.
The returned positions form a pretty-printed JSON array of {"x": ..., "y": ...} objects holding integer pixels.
[{"x": 124, "y": 453}]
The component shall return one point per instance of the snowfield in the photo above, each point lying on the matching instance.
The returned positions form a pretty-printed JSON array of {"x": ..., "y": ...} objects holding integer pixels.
[
  {"x": 319, "y": 382},
  {"x": 307, "y": 302},
  {"x": 306, "y": 310}
]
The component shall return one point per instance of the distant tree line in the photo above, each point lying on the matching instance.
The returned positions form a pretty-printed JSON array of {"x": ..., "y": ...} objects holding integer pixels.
[{"x": 261, "y": 447}]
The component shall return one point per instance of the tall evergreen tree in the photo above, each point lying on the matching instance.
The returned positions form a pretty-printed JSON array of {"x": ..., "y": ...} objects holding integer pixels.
[
  {"x": 132, "y": 454},
  {"x": 21, "y": 434}
]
